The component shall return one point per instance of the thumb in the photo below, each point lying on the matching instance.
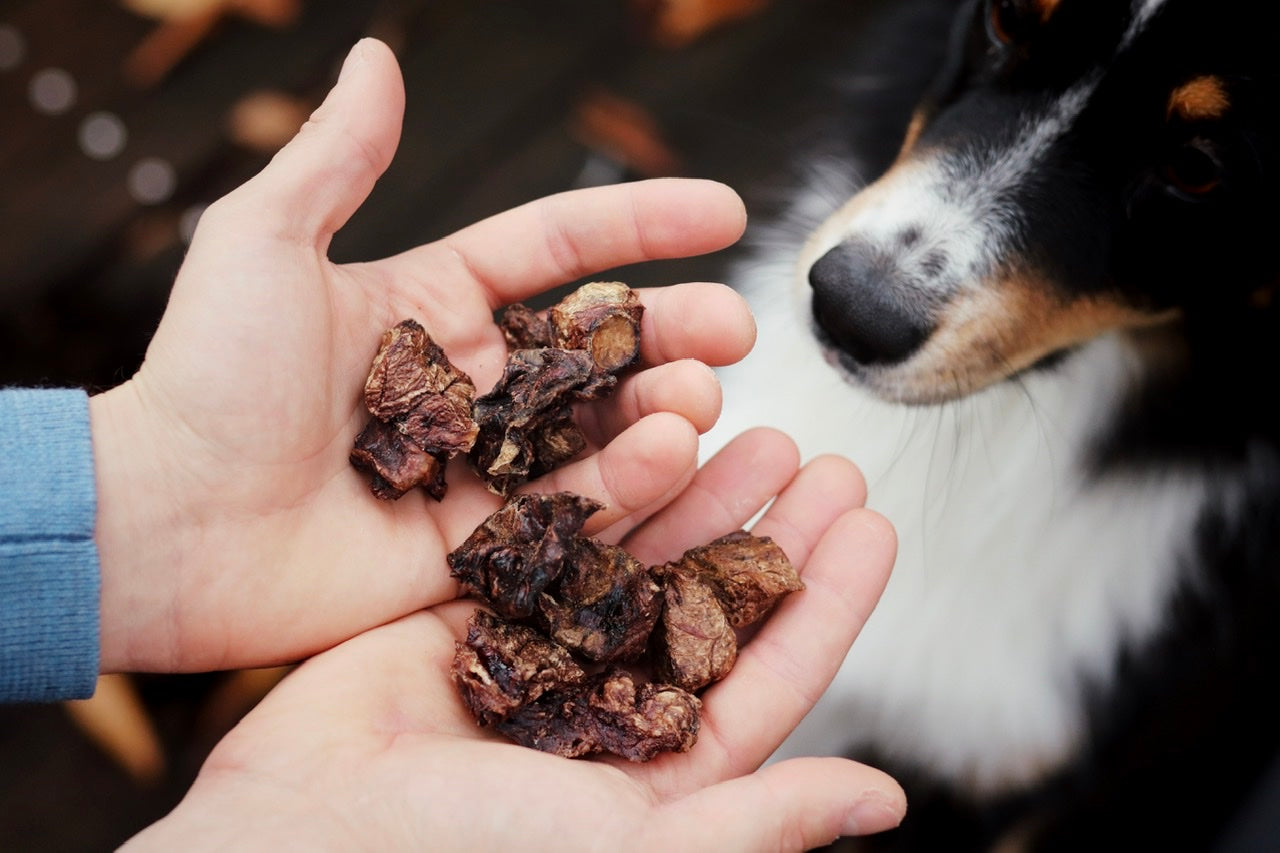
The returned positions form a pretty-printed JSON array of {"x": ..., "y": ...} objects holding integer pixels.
[
  {"x": 793, "y": 805},
  {"x": 321, "y": 177}
]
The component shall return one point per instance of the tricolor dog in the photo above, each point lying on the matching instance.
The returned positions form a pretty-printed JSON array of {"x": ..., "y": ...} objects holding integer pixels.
[{"x": 1047, "y": 332}]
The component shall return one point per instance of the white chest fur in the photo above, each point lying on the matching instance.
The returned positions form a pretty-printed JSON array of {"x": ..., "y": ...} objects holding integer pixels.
[{"x": 1016, "y": 579}]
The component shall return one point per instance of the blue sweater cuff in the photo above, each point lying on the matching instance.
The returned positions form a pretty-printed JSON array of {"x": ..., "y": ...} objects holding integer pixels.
[{"x": 49, "y": 577}]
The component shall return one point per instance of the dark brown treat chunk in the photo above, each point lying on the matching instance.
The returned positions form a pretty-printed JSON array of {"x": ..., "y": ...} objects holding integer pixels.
[
  {"x": 694, "y": 644},
  {"x": 421, "y": 406},
  {"x": 524, "y": 328},
  {"x": 608, "y": 712},
  {"x": 525, "y": 422},
  {"x": 603, "y": 318},
  {"x": 559, "y": 722},
  {"x": 512, "y": 557},
  {"x": 502, "y": 667},
  {"x": 639, "y": 721},
  {"x": 397, "y": 464},
  {"x": 606, "y": 605},
  {"x": 748, "y": 573}
]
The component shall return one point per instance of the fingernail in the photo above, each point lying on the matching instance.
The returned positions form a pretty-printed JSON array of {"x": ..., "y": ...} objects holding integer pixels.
[
  {"x": 875, "y": 811},
  {"x": 354, "y": 57}
]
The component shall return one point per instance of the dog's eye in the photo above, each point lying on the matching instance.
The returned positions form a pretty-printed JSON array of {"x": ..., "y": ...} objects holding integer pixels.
[
  {"x": 1193, "y": 170},
  {"x": 1004, "y": 21}
]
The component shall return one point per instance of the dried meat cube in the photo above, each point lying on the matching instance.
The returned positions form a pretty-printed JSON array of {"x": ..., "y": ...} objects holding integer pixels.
[
  {"x": 524, "y": 328},
  {"x": 638, "y": 722},
  {"x": 421, "y": 406},
  {"x": 749, "y": 574},
  {"x": 519, "y": 550},
  {"x": 525, "y": 423},
  {"x": 397, "y": 463},
  {"x": 606, "y": 603},
  {"x": 558, "y": 722},
  {"x": 502, "y": 667},
  {"x": 602, "y": 318},
  {"x": 694, "y": 644}
]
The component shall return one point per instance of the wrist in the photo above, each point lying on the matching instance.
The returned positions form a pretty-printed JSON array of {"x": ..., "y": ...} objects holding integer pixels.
[{"x": 138, "y": 531}]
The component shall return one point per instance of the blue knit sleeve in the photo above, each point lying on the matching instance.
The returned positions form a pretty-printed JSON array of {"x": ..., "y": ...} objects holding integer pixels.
[{"x": 49, "y": 580}]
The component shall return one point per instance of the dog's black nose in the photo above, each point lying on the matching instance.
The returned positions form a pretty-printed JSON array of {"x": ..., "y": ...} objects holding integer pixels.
[{"x": 856, "y": 302}]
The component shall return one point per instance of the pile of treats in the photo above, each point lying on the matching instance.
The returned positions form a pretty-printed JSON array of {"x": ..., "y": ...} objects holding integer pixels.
[
  {"x": 546, "y": 667},
  {"x": 565, "y": 603}
]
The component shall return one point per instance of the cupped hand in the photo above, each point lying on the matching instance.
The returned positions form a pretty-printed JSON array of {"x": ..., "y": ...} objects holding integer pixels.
[
  {"x": 232, "y": 529},
  {"x": 368, "y": 746}
]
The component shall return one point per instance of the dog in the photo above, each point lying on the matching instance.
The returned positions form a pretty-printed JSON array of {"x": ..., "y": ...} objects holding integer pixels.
[{"x": 1043, "y": 322}]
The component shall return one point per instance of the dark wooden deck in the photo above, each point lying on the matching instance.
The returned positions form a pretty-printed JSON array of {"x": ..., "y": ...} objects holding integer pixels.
[{"x": 495, "y": 89}]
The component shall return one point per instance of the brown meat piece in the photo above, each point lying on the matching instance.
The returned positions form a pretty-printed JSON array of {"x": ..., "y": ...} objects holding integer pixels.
[
  {"x": 603, "y": 318},
  {"x": 638, "y": 722},
  {"x": 606, "y": 605},
  {"x": 608, "y": 712},
  {"x": 694, "y": 644},
  {"x": 502, "y": 667},
  {"x": 397, "y": 463},
  {"x": 421, "y": 405},
  {"x": 748, "y": 573},
  {"x": 524, "y": 328},
  {"x": 525, "y": 422},
  {"x": 518, "y": 551},
  {"x": 559, "y": 722}
]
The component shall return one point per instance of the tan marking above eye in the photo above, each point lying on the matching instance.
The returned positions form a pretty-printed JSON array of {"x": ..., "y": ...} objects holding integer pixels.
[{"x": 1200, "y": 99}]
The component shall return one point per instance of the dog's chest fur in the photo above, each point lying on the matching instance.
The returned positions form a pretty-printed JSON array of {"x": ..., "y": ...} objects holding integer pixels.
[{"x": 1019, "y": 577}]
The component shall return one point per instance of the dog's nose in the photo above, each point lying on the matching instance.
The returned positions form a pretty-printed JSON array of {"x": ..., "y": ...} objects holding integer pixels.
[{"x": 856, "y": 303}]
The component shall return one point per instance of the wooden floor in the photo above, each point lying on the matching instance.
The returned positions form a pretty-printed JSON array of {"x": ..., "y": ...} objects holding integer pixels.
[{"x": 501, "y": 95}]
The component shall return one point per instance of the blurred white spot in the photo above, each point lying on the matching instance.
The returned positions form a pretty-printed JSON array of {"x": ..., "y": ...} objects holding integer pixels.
[
  {"x": 52, "y": 91},
  {"x": 188, "y": 221},
  {"x": 102, "y": 135},
  {"x": 152, "y": 180},
  {"x": 12, "y": 48}
]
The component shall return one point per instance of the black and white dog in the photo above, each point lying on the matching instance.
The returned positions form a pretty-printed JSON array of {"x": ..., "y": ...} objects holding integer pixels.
[{"x": 1047, "y": 334}]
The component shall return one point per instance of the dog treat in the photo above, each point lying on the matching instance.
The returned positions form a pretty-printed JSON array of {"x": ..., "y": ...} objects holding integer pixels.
[
  {"x": 503, "y": 667},
  {"x": 421, "y": 406},
  {"x": 597, "y": 602},
  {"x": 531, "y": 690},
  {"x": 603, "y": 318},
  {"x": 606, "y": 604},
  {"x": 749, "y": 574},
  {"x": 518, "y": 551},
  {"x": 609, "y": 712},
  {"x": 694, "y": 644},
  {"x": 524, "y": 328},
  {"x": 569, "y": 355},
  {"x": 525, "y": 422},
  {"x": 396, "y": 462}
]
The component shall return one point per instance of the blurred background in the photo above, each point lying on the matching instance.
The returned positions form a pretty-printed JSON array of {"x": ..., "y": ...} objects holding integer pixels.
[{"x": 120, "y": 120}]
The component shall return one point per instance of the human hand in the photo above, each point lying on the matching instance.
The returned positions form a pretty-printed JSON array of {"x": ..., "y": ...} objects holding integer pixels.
[
  {"x": 368, "y": 746},
  {"x": 232, "y": 530}
]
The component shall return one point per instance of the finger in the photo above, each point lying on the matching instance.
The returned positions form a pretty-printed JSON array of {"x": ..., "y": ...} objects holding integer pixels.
[
  {"x": 315, "y": 182},
  {"x": 524, "y": 251},
  {"x": 687, "y": 388},
  {"x": 794, "y": 805},
  {"x": 709, "y": 322},
  {"x": 644, "y": 467},
  {"x": 824, "y": 489},
  {"x": 782, "y": 671},
  {"x": 725, "y": 494}
]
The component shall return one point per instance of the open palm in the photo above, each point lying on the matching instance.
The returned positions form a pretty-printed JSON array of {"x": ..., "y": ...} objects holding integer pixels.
[
  {"x": 233, "y": 531},
  {"x": 367, "y": 746}
]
